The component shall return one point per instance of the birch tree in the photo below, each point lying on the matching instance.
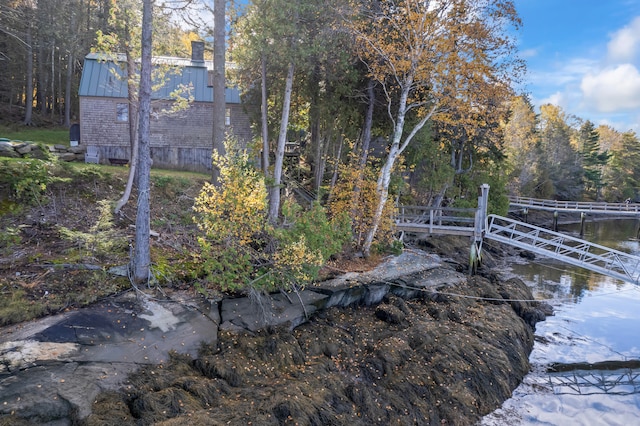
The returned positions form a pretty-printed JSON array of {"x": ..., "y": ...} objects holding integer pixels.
[
  {"x": 125, "y": 19},
  {"x": 141, "y": 261},
  {"x": 219, "y": 85},
  {"x": 268, "y": 37},
  {"x": 124, "y": 39},
  {"x": 432, "y": 57}
]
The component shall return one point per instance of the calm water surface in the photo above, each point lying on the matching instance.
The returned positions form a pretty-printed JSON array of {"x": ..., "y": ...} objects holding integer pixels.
[{"x": 597, "y": 319}]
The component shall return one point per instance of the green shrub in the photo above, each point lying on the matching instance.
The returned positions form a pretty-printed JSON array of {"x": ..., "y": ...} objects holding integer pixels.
[
  {"x": 102, "y": 237},
  {"x": 227, "y": 268},
  {"x": 320, "y": 234},
  {"x": 26, "y": 179},
  {"x": 240, "y": 251}
]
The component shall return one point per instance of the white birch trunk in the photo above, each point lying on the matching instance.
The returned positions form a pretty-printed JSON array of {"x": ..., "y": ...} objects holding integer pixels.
[
  {"x": 274, "y": 196},
  {"x": 133, "y": 134},
  {"x": 141, "y": 262},
  {"x": 382, "y": 187}
]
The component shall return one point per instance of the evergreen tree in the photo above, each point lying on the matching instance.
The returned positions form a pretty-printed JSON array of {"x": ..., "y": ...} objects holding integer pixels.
[
  {"x": 558, "y": 170},
  {"x": 623, "y": 178},
  {"x": 593, "y": 160}
]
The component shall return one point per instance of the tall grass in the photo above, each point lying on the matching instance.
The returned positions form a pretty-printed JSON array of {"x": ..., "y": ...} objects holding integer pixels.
[{"x": 55, "y": 136}]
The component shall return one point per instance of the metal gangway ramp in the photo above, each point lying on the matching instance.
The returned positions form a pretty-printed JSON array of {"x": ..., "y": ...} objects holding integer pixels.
[
  {"x": 565, "y": 248},
  {"x": 621, "y": 382},
  {"x": 617, "y": 377}
]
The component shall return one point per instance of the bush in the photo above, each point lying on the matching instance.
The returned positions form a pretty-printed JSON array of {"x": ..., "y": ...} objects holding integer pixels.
[
  {"x": 236, "y": 209},
  {"x": 328, "y": 237},
  {"x": 354, "y": 199},
  {"x": 26, "y": 180},
  {"x": 240, "y": 251}
]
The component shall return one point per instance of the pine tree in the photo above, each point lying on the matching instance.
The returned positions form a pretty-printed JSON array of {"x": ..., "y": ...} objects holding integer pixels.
[
  {"x": 593, "y": 160},
  {"x": 623, "y": 178}
]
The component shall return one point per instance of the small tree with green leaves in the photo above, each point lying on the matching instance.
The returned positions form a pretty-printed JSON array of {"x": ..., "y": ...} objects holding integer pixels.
[
  {"x": 240, "y": 250},
  {"x": 231, "y": 216}
]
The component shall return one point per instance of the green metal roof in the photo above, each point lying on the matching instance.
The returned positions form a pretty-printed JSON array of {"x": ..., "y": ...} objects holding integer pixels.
[{"x": 104, "y": 77}]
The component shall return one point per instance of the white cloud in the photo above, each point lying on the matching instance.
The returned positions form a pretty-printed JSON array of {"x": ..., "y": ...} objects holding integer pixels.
[
  {"x": 563, "y": 73},
  {"x": 625, "y": 43},
  {"x": 528, "y": 53},
  {"x": 612, "y": 89},
  {"x": 558, "y": 99}
]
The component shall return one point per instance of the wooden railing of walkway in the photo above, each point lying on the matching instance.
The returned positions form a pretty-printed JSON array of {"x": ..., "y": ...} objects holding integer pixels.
[
  {"x": 632, "y": 209},
  {"x": 436, "y": 221},
  {"x": 477, "y": 224},
  {"x": 446, "y": 220}
]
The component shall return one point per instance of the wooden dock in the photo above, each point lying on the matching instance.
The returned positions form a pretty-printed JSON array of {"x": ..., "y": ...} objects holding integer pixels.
[
  {"x": 476, "y": 224},
  {"x": 522, "y": 203}
]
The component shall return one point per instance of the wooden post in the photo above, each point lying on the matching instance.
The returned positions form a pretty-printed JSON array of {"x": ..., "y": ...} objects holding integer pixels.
[
  {"x": 555, "y": 221},
  {"x": 430, "y": 221},
  {"x": 525, "y": 212},
  {"x": 582, "y": 216}
]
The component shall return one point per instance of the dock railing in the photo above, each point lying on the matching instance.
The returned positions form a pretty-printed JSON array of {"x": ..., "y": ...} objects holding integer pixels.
[
  {"x": 578, "y": 206},
  {"x": 446, "y": 220}
]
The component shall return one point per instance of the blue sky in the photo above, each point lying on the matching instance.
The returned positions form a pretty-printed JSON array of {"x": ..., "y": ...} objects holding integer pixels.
[{"x": 584, "y": 56}]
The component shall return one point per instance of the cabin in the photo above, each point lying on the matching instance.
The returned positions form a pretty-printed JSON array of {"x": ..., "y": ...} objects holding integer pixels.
[{"x": 179, "y": 140}]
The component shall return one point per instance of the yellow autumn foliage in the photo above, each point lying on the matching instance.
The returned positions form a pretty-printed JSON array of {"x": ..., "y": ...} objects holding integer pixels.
[
  {"x": 240, "y": 250},
  {"x": 236, "y": 209},
  {"x": 296, "y": 263},
  {"x": 355, "y": 195}
]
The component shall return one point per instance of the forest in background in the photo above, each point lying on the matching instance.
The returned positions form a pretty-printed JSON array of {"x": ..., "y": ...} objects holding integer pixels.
[{"x": 480, "y": 138}]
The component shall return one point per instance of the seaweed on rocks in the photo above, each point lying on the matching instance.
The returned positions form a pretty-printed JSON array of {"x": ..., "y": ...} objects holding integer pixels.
[{"x": 448, "y": 359}]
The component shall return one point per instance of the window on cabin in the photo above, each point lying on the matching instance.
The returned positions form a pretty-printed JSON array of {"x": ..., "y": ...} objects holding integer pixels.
[
  {"x": 227, "y": 117},
  {"x": 122, "y": 113}
]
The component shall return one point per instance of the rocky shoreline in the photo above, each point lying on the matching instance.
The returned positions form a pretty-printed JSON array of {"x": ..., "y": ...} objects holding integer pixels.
[{"x": 413, "y": 341}]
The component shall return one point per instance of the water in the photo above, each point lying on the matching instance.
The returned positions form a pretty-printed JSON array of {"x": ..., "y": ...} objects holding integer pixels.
[{"x": 597, "y": 320}]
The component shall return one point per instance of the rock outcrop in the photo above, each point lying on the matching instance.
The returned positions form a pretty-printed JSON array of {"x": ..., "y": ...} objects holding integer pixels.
[
  {"x": 20, "y": 149},
  {"x": 412, "y": 341}
]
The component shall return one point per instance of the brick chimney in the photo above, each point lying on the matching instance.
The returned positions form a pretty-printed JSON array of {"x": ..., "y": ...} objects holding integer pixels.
[{"x": 197, "y": 51}]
